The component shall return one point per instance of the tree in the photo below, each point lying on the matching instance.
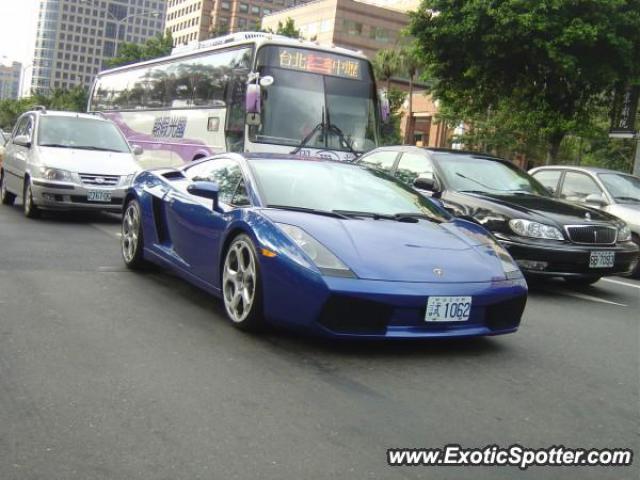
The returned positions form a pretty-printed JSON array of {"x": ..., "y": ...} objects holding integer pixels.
[
  {"x": 551, "y": 63},
  {"x": 155, "y": 47},
  {"x": 386, "y": 64},
  {"x": 391, "y": 131},
  {"x": 288, "y": 29},
  {"x": 409, "y": 63}
]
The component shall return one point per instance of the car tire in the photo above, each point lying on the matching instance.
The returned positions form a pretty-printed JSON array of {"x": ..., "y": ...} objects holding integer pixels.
[
  {"x": 6, "y": 197},
  {"x": 242, "y": 285},
  {"x": 581, "y": 281},
  {"x": 132, "y": 238},
  {"x": 29, "y": 208}
]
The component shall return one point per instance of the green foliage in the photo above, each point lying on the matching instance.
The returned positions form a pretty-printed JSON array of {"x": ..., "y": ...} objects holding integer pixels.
[
  {"x": 540, "y": 69},
  {"x": 391, "y": 131},
  {"x": 74, "y": 100},
  {"x": 156, "y": 47},
  {"x": 386, "y": 64},
  {"x": 288, "y": 29}
]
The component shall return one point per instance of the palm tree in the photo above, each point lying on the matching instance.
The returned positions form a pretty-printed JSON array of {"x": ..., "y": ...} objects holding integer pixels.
[
  {"x": 386, "y": 65},
  {"x": 410, "y": 64}
]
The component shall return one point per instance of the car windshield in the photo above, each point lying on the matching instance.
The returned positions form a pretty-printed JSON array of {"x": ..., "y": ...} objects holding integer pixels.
[
  {"x": 466, "y": 173},
  {"x": 624, "y": 188},
  {"x": 80, "y": 133},
  {"x": 338, "y": 187}
]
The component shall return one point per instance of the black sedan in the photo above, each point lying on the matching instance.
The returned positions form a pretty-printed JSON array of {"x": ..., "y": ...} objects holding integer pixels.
[{"x": 546, "y": 236}]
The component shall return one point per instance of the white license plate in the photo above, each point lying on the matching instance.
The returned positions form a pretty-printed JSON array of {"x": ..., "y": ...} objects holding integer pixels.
[
  {"x": 448, "y": 309},
  {"x": 97, "y": 196},
  {"x": 602, "y": 259}
]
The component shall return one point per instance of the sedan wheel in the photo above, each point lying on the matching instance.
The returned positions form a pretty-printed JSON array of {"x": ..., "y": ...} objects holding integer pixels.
[
  {"x": 30, "y": 208},
  {"x": 132, "y": 241},
  {"x": 241, "y": 284}
]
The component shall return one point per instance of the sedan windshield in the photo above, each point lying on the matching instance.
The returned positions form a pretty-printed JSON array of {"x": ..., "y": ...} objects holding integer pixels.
[
  {"x": 80, "y": 133},
  {"x": 337, "y": 187},
  {"x": 474, "y": 174},
  {"x": 623, "y": 188}
]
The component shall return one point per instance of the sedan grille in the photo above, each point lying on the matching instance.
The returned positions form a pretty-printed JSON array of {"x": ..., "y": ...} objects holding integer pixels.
[
  {"x": 99, "y": 180},
  {"x": 592, "y": 234}
]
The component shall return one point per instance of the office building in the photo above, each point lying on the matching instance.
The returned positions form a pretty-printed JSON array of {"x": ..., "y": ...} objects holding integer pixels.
[
  {"x": 10, "y": 74},
  {"x": 196, "y": 20},
  {"x": 74, "y": 37}
]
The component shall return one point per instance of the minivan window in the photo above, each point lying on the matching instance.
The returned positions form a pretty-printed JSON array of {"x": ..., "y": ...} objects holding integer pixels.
[{"x": 80, "y": 133}]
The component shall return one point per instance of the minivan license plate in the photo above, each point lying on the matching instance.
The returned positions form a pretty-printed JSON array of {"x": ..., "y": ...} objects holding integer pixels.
[
  {"x": 602, "y": 259},
  {"x": 448, "y": 309},
  {"x": 97, "y": 196}
]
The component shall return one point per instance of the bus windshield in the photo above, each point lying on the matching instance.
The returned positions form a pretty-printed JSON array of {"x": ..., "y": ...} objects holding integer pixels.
[{"x": 312, "y": 90}]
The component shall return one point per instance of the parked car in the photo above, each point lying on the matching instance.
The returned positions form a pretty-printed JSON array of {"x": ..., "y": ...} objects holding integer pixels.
[
  {"x": 546, "y": 236},
  {"x": 62, "y": 161},
  {"x": 614, "y": 192},
  {"x": 323, "y": 246}
]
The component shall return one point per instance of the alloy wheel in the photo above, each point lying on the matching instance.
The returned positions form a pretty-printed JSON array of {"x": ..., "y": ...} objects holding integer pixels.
[
  {"x": 130, "y": 232},
  {"x": 239, "y": 280}
]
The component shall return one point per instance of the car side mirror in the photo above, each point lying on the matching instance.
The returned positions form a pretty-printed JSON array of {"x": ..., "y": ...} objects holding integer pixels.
[
  {"x": 137, "y": 150},
  {"x": 22, "y": 140},
  {"x": 209, "y": 190},
  {"x": 425, "y": 183},
  {"x": 595, "y": 199}
]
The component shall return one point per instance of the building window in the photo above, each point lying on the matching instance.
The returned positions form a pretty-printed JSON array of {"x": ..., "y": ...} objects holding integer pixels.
[
  {"x": 351, "y": 28},
  {"x": 243, "y": 8}
]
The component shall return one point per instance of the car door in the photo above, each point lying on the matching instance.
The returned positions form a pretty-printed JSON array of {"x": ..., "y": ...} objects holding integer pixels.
[
  {"x": 577, "y": 187},
  {"x": 17, "y": 156},
  {"x": 194, "y": 227}
]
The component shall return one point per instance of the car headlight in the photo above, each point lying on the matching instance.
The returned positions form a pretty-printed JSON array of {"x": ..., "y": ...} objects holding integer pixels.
[
  {"x": 327, "y": 262},
  {"x": 624, "y": 233},
  {"x": 511, "y": 269},
  {"x": 56, "y": 174},
  {"x": 527, "y": 228}
]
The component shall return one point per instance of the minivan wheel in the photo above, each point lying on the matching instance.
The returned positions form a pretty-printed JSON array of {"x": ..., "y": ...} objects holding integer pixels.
[
  {"x": 6, "y": 197},
  {"x": 31, "y": 210}
]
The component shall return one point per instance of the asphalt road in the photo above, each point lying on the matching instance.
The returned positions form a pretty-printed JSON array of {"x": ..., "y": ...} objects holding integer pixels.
[{"x": 106, "y": 374}]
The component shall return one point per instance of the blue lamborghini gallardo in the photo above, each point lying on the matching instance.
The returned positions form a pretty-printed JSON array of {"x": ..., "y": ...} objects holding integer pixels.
[{"x": 324, "y": 247}]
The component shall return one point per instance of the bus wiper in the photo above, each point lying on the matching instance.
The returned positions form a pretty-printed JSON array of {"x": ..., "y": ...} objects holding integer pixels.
[
  {"x": 342, "y": 138},
  {"x": 318, "y": 128},
  {"x": 326, "y": 213}
]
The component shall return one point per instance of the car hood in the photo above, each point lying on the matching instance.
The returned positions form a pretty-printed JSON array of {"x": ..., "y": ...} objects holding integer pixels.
[
  {"x": 536, "y": 208},
  {"x": 89, "y": 161},
  {"x": 404, "y": 252},
  {"x": 630, "y": 213}
]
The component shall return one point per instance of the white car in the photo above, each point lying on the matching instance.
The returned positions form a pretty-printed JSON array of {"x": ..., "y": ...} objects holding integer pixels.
[{"x": 65, "y": 161}]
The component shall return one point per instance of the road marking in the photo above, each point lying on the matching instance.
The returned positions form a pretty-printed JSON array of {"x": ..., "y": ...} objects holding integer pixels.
[
  {"x": 591, "y": 298},
  {"x": 103, "y": 229},
  {"x": 618, "y": 282}
]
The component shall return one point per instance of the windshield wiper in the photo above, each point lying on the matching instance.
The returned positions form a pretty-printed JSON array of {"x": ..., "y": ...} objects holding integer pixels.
[
  {"x": 415, "y": 215},
  {"x": 478, "y": 183},
  {"x": 629, "y": 199},
  {"x": 318, "y": 128},
  {"x": 56, "y": 145},
  {"x": 99, "y": 149},
  {"x": 406, "y": 217},
  {"x": 340, "y": 134},
  {"x": 326, "y": 213}
]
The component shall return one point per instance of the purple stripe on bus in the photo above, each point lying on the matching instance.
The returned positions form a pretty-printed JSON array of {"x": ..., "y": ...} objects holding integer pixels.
[{"x": 186, "y": 149}]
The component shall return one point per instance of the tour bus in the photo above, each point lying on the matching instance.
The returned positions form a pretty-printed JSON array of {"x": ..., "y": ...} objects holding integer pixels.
[{"x": 244, "y": 92}]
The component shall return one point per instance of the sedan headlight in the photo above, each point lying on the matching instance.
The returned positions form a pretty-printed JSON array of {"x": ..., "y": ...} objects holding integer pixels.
[
  {"x": 56, "y": 174},
  {"x": 530, "y": 229},
  {"x": 624, "y": 234},
  {"x": 327, "y": 262}
]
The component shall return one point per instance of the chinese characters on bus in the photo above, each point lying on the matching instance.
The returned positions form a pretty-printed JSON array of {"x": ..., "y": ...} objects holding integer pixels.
[
  {"x": 317, "y": 62},
  {"x": 169, "y": 127}
]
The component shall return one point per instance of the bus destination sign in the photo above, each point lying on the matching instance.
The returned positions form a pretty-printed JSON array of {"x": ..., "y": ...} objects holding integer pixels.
[{"x": 320, "y": 62}]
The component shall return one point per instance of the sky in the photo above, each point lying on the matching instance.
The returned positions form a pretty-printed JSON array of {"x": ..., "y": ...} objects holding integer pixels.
[{"x": 18, "y": 29}]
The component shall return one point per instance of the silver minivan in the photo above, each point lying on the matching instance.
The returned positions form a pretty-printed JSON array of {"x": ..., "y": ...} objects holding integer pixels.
[{"x": 65, "y": 161}]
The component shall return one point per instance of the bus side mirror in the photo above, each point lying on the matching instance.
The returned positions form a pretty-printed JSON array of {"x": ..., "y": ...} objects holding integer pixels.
[
  {"x": 252, "y": 99},
  {"x": 385, "y": 108}
]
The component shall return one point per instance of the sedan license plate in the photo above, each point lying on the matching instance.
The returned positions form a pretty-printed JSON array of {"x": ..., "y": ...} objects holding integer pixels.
[
  {"x": 602, "y": 259},
  {"x": 97, "y": 196},
  {"x": 448, "y": 309}
]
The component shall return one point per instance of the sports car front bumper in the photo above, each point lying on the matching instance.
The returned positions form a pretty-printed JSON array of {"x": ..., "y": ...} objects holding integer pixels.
[{"x": 349, "y": 307}]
